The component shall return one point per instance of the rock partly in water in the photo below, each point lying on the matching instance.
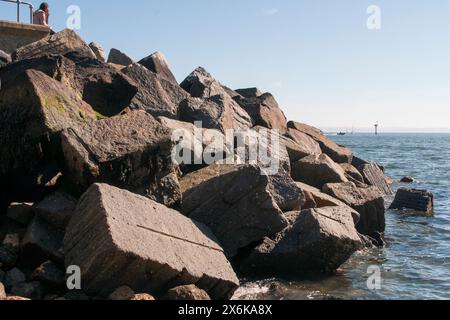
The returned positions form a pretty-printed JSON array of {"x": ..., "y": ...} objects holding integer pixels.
[
  {"x": 236, "y": 202},
  {"x": 132, "y": 151},
  {"x": 336, "y": 152},
  {"x": 187, "y": 293},
  {"x": 374, "y": 176},
  {"x": 158, "y": 64},
  {"x": 317, "y": 170},
  {"x": 156, "y": 95},
  {"x": 98, "y": 51},
  {"x": 369, "y": 202},
  {"x": 316, "y": 241},
  {"x": 264, "y": 111},
  {"x": 407, "y": 179},
  {"x": 219, "y": 112},
  {"x": 115, "y": 244},
  {"x": 117, "y": 57},
  {"x": 413, "y": 199},
  {"x": 56, "y": 209},
  {"x": 57, "y": 44}
]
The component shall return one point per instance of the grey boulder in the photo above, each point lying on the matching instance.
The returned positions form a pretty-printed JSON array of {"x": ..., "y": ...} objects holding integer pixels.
[{"x": 158, "y": 64}]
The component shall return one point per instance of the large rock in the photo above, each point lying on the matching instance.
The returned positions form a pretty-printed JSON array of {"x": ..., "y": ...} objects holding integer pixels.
[
  {"x": 369, "y": 202},
  {"x": 120, "y": 58},
  {"x": 58, "y": 44},
  {"x": 264, "y": 111},
  {"x": 119, "y": 238},
  {"x": 300, "y": 145},
  {"x": 413, "y": 199},
  {"x": 156, "y": 95},
  {"x": 102, "y": 86},
  {"x": 158, "y": 64},
  {"x": 311, "y": 198},
  {"x": 4, "y": 58},
  {"x": 338, "y": 153},
  {"x": 219, "y": 112},
  {"x": 249, "y": 92},
  {"x": 201, "y": 84},
  {"x": 132, "y": 151},
  {"x": 374, "y": 176},
  {"x": 352, "y": 173},
  {"x": 317, "y": 170},
  {"x": 57, "y": 209},
  {"x": 98, "y": 51},
  {"x": 316, "y": 241},
  {"x": 34, "y": 108},
  {"x": 236, "y": 202}
]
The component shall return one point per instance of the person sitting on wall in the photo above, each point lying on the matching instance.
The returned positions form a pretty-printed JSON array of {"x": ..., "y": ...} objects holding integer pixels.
[{"x": 40, "y": 16}]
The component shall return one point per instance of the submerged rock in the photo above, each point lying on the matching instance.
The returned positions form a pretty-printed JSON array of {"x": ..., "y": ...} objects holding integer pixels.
[
  {"x": 115, "y": 244},
  {"x": 413, "y": 199},
  {"x": 316, "y": 241},
  {"x": 132, "y": 151}
]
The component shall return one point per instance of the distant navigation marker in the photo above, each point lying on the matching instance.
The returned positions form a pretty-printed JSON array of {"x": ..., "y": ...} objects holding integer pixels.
[{"x": 376, "y": 128}]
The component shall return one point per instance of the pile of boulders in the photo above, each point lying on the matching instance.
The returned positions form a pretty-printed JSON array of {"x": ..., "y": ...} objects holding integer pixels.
[{"x": 89, "y": 182}]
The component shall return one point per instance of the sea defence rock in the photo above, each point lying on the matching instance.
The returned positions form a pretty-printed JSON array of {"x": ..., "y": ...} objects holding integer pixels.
[
  {"x": 57, "y": 44},
  {"x": 300, "y": 145},
  {"x": 236, "y": 202},
  {"x": 132, "y": 151},
  {"x": 102, "y": 86},
  {"x": 338, "y": 153},
  {"x": 158, "y": 64},
  {"x": 413, "y": 199},
  {"x": 4, "y": 58},
  {"x": 187, "y": 293},
  {"x": 249, "y": 92},
  {"x": 375, "y": 177},
  {"x": 316, "y": 241},
  {"x": 117, "y": 57},
  {"x": 57, "y": 209},
  {"x": 311, "y": 198},
  {"x": 369, "y": 202},
  {"x": 317, "y": 170},
  {"x": 155, "y": 94},
  {"x": 264, "y": 111},
  {"x": 120, "y": 238},
  {"x": 201, "y": 84},
  {"x": 352, "y": 173},
  {"x": 34, "y": 108},
  {"x": 98, "y": 51},
  {"x": 217, "y": 112}
]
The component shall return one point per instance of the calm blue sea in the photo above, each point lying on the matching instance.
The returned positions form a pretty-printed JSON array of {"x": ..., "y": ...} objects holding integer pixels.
[{"x": 416, "y": 262}]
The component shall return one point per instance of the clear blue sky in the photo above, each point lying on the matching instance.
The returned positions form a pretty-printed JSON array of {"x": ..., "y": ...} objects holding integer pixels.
[{"x": 317, "y": 56}]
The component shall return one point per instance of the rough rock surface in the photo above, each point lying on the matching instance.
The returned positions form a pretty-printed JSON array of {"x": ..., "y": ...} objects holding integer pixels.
[
  {"x": 2, "y": 292},
  {"x": 158, "y": 64},
  {"x": 249, "y": 92},
  {"x": 115, "y": 244},
  {"x": 219, "y": 112},
  {"x": 317, "y": 170},
  {"x": 187, "y": 293},
  {"x": 316, "y": 241},
  {"x": 59, "y": 44},
  {"x": 264, "y": 111},
  {"x": 369, "y": 202},
  {"x": 132, "y": 151},
  {"x": 375, "y": 177},
  {"x": 201, "y": 84},
  {"x": 98, "y": 51},
  {"x": 102, "y": 86},
  {"x": 123, "y": 293},
  {"x": 117, "y": 57},
  {"x": 235, "y": 202},
  {"x": 300, "y": 145},
  {"x": 413, "y": 199},
  {"x": 338, "y": 153},
  {"x": 4, "y": 58},
  {"x": 33, "y": 109},
  {"x": 57, "y": 209},
  {"x": 352, "y": 173},
  {"x": 156, "y": 95}
]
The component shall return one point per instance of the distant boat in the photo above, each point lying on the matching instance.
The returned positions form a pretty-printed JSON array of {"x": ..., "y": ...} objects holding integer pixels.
[{"x": 342, "y": 134}]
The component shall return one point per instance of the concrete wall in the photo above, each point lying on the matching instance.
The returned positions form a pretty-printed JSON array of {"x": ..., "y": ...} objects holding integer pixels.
[{"x": 14, "y": 35}]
